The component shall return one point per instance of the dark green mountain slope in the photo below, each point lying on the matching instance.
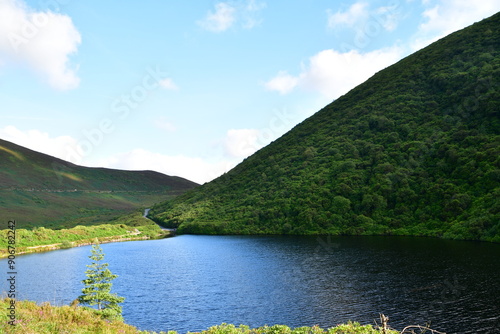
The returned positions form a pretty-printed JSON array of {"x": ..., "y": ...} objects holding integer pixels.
[
  {"x": 39, "y": 190},
  {"x": 413, "y": 150}
]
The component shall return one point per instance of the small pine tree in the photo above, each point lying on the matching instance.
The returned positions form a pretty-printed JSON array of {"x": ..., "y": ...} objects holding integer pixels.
[{"x": 97, "y": 290}]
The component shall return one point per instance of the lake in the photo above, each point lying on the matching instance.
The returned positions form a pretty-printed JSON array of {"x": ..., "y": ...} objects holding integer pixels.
[{"x": 189, "y": 283}]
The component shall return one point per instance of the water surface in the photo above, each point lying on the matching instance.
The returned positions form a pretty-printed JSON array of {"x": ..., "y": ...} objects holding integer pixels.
[{"x": 189, "y": 283}]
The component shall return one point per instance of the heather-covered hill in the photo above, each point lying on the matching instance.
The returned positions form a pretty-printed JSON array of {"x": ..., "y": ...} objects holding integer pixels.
[{"x": 39, "y": 190}]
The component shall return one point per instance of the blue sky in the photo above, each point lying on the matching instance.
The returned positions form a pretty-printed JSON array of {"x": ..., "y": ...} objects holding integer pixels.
[{"x": 192, "y": 88}]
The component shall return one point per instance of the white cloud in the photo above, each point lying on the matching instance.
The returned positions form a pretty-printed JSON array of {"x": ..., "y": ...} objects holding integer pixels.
[
  {"x": 164, "y": 124},
  {"x": 240, "y": 143},
  {"x": 284, "y": 83},
  {"x": 333, "y": 73},
  {"x": 42, "y": 40},
  {"x": 356, "y": 13},
  {"x": 227, "y": 14},
  {"x": 220, "y": 20},
  {"x": 168, "y": 84},
  {"x": 250, "y": 14},
  {"x": 446, "y": 16},
  {"x": 40, "y": 142},
  {"x": 254, "y": 6},
  {"x": 366, "y": 22},
  {"x": 191, "y": 168},
  {"x": 389, "y": 17}
]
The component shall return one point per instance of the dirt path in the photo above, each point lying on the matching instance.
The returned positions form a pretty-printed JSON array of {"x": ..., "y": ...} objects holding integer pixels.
[{"x": 146, "y": 213}]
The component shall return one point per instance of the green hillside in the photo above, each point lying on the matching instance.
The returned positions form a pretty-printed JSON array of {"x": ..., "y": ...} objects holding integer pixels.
[
  {"x": 415, "y": 150},
  {"x": 39, "y": 190}
]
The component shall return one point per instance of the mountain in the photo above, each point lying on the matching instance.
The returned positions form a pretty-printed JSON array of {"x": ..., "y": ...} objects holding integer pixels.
[
  {"x": 414, "y": 150},
  {"x": 39, "y": 190}
]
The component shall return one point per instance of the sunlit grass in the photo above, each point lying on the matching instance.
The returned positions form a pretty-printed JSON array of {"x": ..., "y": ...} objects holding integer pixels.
[
  {"x": 71, "y": 176},
  {"x": 15, "y": 154},
  {"x": 46, "y": 319},
  {"x": 32, "y": 318},
  {"x": 131, "y": 227}
]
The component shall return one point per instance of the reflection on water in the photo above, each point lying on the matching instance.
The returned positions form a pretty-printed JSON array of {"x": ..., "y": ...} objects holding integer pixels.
[{"x": 189, "y": 283}]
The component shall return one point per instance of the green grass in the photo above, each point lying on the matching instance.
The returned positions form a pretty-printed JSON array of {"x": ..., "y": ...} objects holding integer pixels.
[
  {"x": 32, "y": 318},
  {"x": 46, "y": 319},
  {"x": 33, "y": 209},
  {"x": 129, "y": 227},
  {"x": 349, "y": 328}
]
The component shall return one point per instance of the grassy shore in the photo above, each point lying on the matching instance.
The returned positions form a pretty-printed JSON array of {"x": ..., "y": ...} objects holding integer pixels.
[
  {"x": 31, "y": 318},
  {"x": 40, "y": 239}
]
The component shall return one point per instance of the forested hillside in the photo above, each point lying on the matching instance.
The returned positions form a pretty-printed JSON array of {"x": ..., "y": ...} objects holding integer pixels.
[{"x": 415, "y": 150}]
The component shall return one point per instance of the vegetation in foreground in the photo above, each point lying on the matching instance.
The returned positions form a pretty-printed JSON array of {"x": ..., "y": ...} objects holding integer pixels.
[
  {"x": 47, "y": 319},
  {"x": 415, "y": 150},
  {"x": 32, "y": 318},
  {"x": 131, "y": 227},
  {"x": 97, "y": 290}
]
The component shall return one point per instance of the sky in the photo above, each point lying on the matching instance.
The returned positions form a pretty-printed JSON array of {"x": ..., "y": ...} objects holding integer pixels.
[{"x": 191, "y": 88}]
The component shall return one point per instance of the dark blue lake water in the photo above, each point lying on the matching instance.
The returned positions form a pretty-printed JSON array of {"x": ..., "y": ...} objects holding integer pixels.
[{"x": 189, "y": 283}]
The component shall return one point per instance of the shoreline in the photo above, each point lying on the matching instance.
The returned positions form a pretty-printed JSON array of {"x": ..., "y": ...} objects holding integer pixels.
[{"x": 83, "y": 242}]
